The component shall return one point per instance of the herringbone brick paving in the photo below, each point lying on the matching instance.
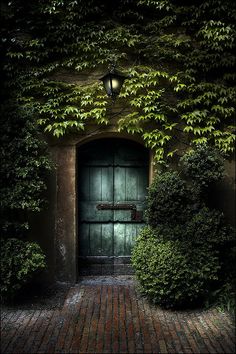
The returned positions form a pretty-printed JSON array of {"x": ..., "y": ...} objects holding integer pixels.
[{"x": 114, "y": 318}]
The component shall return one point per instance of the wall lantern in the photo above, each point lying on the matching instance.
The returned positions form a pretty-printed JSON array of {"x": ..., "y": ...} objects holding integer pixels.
[{"x": 113, "y": 82}]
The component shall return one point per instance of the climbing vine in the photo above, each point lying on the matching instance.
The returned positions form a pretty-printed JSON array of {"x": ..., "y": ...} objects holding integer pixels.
[{"x": 178, "y": 56}]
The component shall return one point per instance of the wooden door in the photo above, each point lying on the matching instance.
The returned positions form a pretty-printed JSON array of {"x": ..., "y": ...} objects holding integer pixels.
[{"x": 112, "y": 185}]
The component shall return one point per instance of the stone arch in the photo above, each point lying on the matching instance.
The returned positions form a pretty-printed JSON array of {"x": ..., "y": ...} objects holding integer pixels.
[
  {"x": 66, "y": 228},
  {"x": 111, "y": 134},
  {"x": 116, "y": 135}
]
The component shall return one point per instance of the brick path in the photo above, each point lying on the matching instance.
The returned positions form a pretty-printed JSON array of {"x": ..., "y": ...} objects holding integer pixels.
[{"x": 112, "y": 318}]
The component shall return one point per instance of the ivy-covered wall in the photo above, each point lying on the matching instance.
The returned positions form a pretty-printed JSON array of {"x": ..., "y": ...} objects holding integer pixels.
[{"x": 179, "y": 56}]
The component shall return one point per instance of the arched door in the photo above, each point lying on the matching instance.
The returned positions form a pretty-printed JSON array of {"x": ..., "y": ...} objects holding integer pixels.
[{"x": 112, "y": 186}]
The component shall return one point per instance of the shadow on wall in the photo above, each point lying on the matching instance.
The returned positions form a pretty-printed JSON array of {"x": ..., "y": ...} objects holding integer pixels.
[
  {"x": 42, "y": 229},
  {"x": 222, "y": 195}
]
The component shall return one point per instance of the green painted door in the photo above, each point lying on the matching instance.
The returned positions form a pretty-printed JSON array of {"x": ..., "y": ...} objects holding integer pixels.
[{"x": 112, "y": 185}]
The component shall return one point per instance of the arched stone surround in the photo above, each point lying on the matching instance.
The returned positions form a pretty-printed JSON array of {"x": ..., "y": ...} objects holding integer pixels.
[{"x": 66, "y": 239}]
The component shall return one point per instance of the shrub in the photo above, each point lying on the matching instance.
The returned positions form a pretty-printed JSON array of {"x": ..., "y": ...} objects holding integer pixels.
[
  {"x": 170, "y": 273},
  {"x": 226, "y": 298},
  {"x": 168, "y": 200},
  {"x": 203, "y": 165},
  {"x": 209, "y": 226},
  {"x": 184, "y": 256},
  {"x": 203, "y": 226},
  {"x": 19, "y": 262}
]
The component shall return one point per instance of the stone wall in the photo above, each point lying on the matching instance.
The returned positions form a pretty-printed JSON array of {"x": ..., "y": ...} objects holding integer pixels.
[{"x": 56, "y": 228}]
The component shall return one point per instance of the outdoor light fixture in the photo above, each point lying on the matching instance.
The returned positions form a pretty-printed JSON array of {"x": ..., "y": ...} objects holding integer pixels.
[{"x": 113, "y": 82}]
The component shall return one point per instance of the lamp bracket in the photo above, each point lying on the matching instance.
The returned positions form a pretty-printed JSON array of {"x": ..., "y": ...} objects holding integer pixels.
[{"x": 112, "y": 67}]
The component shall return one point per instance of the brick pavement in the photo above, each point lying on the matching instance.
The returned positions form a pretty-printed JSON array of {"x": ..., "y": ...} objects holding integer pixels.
[{"x": 111, "y": 317}]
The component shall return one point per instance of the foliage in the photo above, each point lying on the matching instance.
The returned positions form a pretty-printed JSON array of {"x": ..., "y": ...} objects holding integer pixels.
[
  {"x": 171, "y": 274},
  {"x": 186, "y": 244},
  {"x": 24, "y": 164},
  {"x": 208, "y": 226},
  {"x": 225, "y": 298},
  {"x": 198, "y": 227},
  {"x": 20, "y": 261},
  {"x": 203, "y": 165},
  {"x": 168, "y": 199},
  {"x": 181, "y": 85}
]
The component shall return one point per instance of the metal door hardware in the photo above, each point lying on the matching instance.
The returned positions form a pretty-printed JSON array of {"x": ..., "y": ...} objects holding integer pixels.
[{"x": 135, "y": 215}]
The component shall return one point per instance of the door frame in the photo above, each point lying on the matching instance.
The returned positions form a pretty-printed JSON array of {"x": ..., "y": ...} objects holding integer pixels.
[{"x": 66, "y": 241}]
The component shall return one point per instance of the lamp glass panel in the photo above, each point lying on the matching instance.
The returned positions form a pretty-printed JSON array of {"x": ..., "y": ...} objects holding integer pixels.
[
  {"x": 115, "y": 83},
  {"x": 112, "y": 84}
]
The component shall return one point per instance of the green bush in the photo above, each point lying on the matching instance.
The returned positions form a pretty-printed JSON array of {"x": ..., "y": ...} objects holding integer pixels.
[
  {"x": 203, "y": 226},
  {"x": 203, "y": 165},
  {"x": 19, "y": 262},
  {"x": 168, "y": 200},
  {"x": 209, "y": 226},
  {"x": 171, "y": 273},
  {"x": 226, "y": 298},
  {"x": 183, "y": 256}
]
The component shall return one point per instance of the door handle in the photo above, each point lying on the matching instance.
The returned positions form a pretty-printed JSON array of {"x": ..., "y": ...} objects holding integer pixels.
[{"x": 135, "y": 215}]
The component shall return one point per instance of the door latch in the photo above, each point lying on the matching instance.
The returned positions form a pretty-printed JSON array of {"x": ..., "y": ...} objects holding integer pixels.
[{"x": 135, "y": 215}]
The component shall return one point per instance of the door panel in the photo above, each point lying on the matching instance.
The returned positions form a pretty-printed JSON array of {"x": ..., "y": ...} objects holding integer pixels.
[
  {"x": 126, "y": 183},
  {"x": 100, "y": 240},
  {"x": 97, "y": 183},
  {"x": 107, "y": 239},
  {"x": 130, "y": 236},
  {"x": 84, "y": 241},
  {"x": 89, "y": 213},
  {"x": 112, "y": 185},
  {"x": 130, "y": 154},
  {"x": 96, "y": 240},
  {"x": 124, "y": 238},
  {"x": 119, "y": 184},
  {"x": 107, "y": 184}
]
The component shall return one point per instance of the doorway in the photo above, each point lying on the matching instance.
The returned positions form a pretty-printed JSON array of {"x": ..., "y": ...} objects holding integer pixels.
[{"x": 112, "y": 186}]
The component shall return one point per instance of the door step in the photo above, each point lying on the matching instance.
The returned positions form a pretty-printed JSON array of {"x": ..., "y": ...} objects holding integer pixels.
[
  {"x": 107, "y": 280},
  {"x": 105, "y": 269}
]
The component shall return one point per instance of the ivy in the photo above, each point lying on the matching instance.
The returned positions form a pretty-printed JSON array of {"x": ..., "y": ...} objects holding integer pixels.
[
  {"x": 24, "y": 165},
  {"x": 179, "y": 57}
]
